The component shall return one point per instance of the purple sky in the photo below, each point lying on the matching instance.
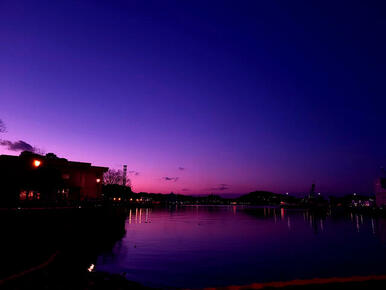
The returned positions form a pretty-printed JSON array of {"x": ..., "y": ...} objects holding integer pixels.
[{"x": 244, "y": 95}]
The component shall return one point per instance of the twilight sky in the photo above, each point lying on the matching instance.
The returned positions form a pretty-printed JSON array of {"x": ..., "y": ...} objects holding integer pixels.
[{"x": 201, "y": 96}]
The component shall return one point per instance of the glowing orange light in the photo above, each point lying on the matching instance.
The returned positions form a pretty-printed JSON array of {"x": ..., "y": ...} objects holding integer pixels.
[
  {"x": 91, "y": 268},
  {"x": 98, "y": 180},
  {"x": 37, "y": 163}
]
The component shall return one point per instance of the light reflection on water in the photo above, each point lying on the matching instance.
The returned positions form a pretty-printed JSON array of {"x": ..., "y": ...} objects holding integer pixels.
[{"x": 202, "y": 246}]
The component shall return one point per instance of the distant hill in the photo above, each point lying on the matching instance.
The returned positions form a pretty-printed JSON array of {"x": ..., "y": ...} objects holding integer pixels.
[
  {"x": 260, "y": 197},
  {"x": 266, "y": 198}
]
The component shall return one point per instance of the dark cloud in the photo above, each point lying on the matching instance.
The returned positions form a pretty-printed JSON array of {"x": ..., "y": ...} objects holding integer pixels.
[
  {"x": 18, "y": 146},
  {"x": 181, "y": 168},
  {"x": 170, "y": 178},
  {"x": 185, "y": 189},
  {"x": 133, "y": 172},
  {"x": 221, "y": 186}
]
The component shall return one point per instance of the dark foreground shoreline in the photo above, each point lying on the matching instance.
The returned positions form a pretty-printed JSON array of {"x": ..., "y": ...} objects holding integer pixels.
[
  {"x": 56, "y": 275},
  {"x": 60, "y": 273},
  {"x": 53, "y": 246}
]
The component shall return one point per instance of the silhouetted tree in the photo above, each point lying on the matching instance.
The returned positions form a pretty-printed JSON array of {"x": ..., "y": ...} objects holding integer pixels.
[{"x": 113, "y": 176}]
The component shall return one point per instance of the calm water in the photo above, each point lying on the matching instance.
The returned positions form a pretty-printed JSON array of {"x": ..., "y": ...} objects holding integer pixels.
[{"x": 201, "y": 246}]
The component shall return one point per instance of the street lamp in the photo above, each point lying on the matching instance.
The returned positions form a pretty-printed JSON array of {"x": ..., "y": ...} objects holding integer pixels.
[{"x": 36, "y": 163}]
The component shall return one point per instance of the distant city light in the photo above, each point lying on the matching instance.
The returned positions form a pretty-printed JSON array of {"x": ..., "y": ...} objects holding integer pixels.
[
  {"x": 318, "y": 193},
  {"x": 37, "y": 163},
  {"x": 91, "y": 268},
  {"x": 98, "y": 180},
  {"x": 286, "y": 193},
  {"x": 355, "y": 193}
]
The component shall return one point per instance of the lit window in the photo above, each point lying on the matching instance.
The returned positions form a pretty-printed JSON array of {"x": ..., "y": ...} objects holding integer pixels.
[{"x": 23, "y": 195}]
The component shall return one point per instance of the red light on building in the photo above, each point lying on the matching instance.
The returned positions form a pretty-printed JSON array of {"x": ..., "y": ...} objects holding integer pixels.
[{"x": 37, "y": 163}]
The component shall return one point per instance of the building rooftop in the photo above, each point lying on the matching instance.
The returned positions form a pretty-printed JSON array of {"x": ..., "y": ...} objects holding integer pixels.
[{"x": 51, "y": 159}]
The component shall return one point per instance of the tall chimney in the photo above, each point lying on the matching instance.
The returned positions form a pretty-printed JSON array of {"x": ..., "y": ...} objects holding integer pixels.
[{"x": 124, "y": 175}]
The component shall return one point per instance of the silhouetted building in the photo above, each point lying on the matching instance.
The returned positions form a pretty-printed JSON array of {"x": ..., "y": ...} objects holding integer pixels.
[
  {"x": 33, "y": 177},
  {"x": 312, "y": 191},
  {"x": 380, "y": 192}
]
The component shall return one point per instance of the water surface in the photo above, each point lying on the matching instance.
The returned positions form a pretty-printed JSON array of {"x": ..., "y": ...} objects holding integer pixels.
[{"x": 203, "y": 246}]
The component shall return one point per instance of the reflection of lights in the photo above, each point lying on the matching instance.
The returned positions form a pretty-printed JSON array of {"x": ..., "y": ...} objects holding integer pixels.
[
  {"x": 98, "y": 180},
  {"x": 37, "y": 163},
  {"x": 91, "y": 268},
  {"x": 372, "y": 226}
]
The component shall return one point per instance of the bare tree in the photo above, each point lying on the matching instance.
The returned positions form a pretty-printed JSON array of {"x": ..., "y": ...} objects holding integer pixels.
[
  {"x": 2, "y": 126},
  {"x": 113, "y": 176}
]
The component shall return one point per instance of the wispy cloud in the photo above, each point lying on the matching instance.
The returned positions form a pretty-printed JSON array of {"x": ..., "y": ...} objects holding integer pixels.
[
  {"x": 181, "y": 168},
  {"x": 221, "y": 187},
  {"x": 185, "y": 189},
  {"x": 133, "y": 172},
  {"x": 18, "y": 146},
  {"x": 166, "y": 178}
]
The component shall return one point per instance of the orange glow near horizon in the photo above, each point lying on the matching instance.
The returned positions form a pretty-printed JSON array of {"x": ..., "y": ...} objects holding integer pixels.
[{"x": 37, "y": 163}]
